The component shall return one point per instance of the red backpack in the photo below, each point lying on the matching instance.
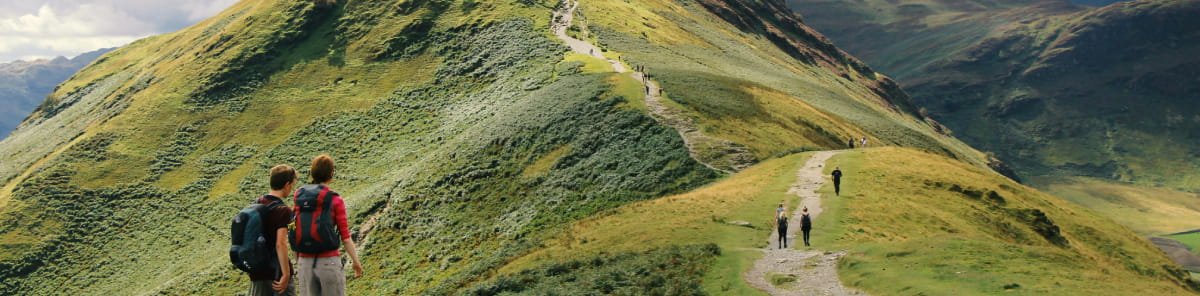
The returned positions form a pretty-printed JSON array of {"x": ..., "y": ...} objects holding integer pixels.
[{"x": 315, "y": 232}]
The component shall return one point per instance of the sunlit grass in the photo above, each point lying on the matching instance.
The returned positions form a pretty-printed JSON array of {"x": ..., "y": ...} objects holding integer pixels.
[
  {"x": 911, "y": 232},
  {"x": 1147, "y": 211},
  {"x": 700, "y": 216}
]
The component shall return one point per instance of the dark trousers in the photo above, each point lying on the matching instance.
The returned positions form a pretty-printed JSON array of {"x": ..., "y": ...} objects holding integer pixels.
[
  {"x": 805, "y": 236},
  {"x": 837, "y": 187},
  {"x": 782, "y": 237}
]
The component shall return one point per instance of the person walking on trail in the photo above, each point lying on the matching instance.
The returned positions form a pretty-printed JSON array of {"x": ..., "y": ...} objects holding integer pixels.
[
  {"x": 864, "y": 142},
  {"x": 782, "y": 225},
  {"x": 851, "y": 143},
  {"x": 805, "y": 224},
  {"x": 320, "y": 222},
  {"x": 837, "y": 181},
  {"x": 780, "y": 210},
  {"x": 277, "y": 280}
]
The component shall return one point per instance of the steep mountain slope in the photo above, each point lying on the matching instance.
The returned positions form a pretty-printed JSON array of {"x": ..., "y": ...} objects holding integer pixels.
[
  {"x": 1107, "y": 94},
  {"x": 465, "y": 134},
  {"x": 1096, "y": 105},
  {"x": 1052, "y": 88},
  {"x": 24, "y": 84},
  {"x": 902, "y": 38},
  {"x": 1096, "y": 2}
]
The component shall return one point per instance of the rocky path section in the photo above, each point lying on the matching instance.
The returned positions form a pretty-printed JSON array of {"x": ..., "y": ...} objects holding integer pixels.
[
  {"x": 717, "y": 154},
  {"x": 814, "y": 271}
]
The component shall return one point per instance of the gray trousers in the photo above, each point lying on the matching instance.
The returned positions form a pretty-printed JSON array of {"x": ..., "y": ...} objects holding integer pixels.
[
  {"x": 263, "y": 288},
  {"x": 325, "y": 279}
]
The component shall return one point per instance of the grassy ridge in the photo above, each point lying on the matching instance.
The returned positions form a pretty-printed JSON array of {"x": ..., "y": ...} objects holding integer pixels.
[
  {"x": 913, "y": 222},
  {"x": 920, "y": 224},
  {"x": 763, "y": 97},
  {"x": 466, "y": 138}
]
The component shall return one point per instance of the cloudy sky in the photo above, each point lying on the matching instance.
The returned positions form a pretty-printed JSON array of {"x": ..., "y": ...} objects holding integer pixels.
[{"x": 49, "y": 28}]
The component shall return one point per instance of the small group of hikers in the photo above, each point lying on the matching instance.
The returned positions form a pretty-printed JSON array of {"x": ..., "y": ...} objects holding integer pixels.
[
  {"x": 313, "y": 227},
  {"x": 781, "y": 218},
  {"x": 646, "y": 79},
  {"x": 862, "y": 142},
  {"x": 781, "y": 221}
]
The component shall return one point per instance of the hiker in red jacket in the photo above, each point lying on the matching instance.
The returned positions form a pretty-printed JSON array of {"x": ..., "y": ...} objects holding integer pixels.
[{"x": 320, "y": 222}]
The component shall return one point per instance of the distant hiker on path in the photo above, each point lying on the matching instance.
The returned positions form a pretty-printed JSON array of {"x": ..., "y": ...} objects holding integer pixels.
[
  {"x": 278, "y": 279},
  {"x": 837, "y": 181},
  {"x": 864, "y": 142},
  {"x": 320, "y": 222},
  {"x": 805, "y": 224},
  {"x": 782, "y": 225},
  {"x": 780, "y": 210},
  {"x": 851, "y": 143}
]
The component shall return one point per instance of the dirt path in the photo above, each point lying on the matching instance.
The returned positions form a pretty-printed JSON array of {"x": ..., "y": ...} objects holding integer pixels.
[
  {"x": 562, "y": 20},
  {"x": 815, "y": 271},
  {"x": 727, "y": 156}
]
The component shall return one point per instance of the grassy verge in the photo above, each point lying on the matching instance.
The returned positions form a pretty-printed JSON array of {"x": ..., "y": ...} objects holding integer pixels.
[{"x": 591, "y": 64}]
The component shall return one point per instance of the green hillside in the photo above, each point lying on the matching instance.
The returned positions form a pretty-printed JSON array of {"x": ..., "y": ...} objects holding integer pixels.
[
  {"x": 1052, "y": 88},
  {"x": 914, "y": 224},
  {"x": 24, "y": 84},
  {"x": 1095, "y": 105},
  {"x": 465, "y": 134}
]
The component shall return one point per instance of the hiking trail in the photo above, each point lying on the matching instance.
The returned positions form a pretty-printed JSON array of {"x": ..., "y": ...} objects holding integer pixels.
[
  {"x": 735, "y": 156},
  {"x": 815, "y": 271}
]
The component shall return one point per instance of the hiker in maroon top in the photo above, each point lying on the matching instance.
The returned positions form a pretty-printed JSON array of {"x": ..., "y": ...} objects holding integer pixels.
[
  {"x": 319, "y": 225},
  {"x": 278, "y": 280}
]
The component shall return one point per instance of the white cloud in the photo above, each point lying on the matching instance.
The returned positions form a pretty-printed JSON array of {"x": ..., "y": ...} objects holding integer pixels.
[{"x": 69, "y": 27}]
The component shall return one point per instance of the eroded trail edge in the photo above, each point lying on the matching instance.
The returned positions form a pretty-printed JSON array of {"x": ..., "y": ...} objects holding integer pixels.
[{"x": 815, "y": 271}]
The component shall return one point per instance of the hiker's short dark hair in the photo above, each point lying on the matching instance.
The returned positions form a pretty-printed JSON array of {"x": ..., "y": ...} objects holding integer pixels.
[
  {"x": 322, "y": 169},
  {"x": 281, "y": 175}
]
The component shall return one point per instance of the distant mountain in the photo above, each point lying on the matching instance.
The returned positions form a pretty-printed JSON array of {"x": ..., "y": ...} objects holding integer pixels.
[
  {"x": 25, "y": 84},
  {"x": 1051, "y": 87},
  {"x": 1096, "y": 2}
]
